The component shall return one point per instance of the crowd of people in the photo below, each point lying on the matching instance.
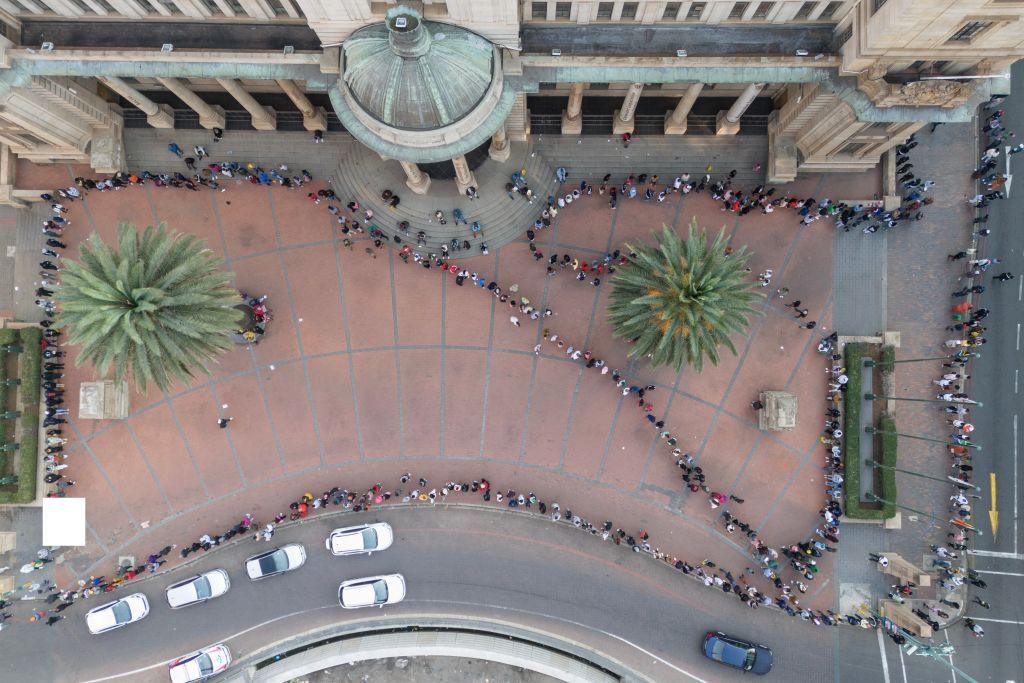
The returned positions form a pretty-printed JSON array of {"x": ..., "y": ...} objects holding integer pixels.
[{"x": 788, "y": 579}]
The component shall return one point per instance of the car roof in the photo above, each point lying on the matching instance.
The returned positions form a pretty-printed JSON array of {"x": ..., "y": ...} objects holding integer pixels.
[
  {"x": 360, "y": 594},
  {"x": 101, "y": 618},
  {"x": 344, "y": 540}
]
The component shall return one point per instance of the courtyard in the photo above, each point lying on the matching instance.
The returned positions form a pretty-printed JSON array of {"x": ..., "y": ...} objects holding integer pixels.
[{"x": 373, "y": 367}]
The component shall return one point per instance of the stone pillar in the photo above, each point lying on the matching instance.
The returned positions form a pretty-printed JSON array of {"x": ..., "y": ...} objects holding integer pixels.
[
  {"x": 500, "y": 148},
  {"x": 675, "y": 120},
  {"x": 263, "y": 118},
  {"x": 624, "y": 122},
  {"x": 313, "y": 118},
  {"x": 572, "y": 119},
  {"x": 415, "y": 179},
  {"x": 210, "y": 116},
  {"x": 157, "y": 115},
  {"x": 464, "y": 178},
  {"x": 728, "y": 122}
]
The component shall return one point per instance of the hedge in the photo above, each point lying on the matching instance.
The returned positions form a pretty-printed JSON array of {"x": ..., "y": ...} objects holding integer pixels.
[
  {"x": 887, "y": 357},
  {"x": 6, "y": 337},
  {"x": 29, "y": 362},
  {"x": 852, "y": 435}
]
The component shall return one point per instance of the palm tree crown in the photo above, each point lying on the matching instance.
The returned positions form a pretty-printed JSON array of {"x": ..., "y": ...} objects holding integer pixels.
[
  {"x": 680, "y": 300},
  {"x": 157, "y": 305}
]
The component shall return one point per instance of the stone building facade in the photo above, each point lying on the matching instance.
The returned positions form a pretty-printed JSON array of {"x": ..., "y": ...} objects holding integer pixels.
[{"x": 839, "y": 82}]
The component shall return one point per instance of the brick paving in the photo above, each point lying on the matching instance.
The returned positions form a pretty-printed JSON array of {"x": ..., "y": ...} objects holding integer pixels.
[{"x": 373, "y": 367}]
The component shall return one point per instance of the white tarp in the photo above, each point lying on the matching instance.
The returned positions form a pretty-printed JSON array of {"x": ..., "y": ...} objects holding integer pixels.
[{"x": 63, "y": 522}]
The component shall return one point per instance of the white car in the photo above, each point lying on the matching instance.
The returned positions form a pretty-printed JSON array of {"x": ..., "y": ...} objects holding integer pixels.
[
  {"x": 200, "y": 665},
  {"x": 357, "y": 540},
  {"x": 373, "y": 591},
  {"x": 117, "y": 613},
  {"x": 205, "y": 586},
  {"x": 277, "y": 561}
]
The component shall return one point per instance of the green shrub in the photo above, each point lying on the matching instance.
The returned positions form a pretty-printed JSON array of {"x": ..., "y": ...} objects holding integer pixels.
[
  {"x": 888, "y": 424},
  {"x": 851, "y": 430},
  {"x": 887, "y": 358},
  {"x": 852, "y": 434},
  {"x": 29, "y": 362}
]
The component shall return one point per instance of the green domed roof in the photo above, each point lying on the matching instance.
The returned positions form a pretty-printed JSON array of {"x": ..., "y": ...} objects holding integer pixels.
[{"x": 414, "y": 74}]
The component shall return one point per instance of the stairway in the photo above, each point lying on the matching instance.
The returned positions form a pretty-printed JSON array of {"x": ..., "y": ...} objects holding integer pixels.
[{"x": 362, "y": 176}]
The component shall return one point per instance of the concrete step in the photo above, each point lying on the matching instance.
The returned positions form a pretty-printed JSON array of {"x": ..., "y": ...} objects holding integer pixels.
[
  {"x": 363, "y": 176},
  {"x": 591, "y": 157}
]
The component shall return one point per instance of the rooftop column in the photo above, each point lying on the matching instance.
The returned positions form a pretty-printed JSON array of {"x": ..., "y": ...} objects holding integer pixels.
[
  {"x": 728, "y": 122},
  {"x": 313, "y": 118},
  {"x": 464, "y": 178},
  {"x": 675, "y": 120},
  {"x": 500, "y": 148},
  {"x": 415, "y": 179},
  {"x": 157, "y": 115},
  {"x": 210, "y": 116},
  {"x": 624, "y": 122},
  {"x": 263, "y": 118},
  {"x": 572, "y": 119}
]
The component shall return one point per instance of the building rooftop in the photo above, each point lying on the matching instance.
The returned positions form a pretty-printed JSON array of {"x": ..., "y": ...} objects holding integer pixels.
[
  {"x": 417, "y": 75},
  {"x": 696, "y": 39}
]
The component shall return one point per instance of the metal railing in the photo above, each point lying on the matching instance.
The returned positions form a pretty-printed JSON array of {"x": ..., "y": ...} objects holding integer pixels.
[
  {"x": 186, "y": 119},
  {"x": 646, "y": 124}
]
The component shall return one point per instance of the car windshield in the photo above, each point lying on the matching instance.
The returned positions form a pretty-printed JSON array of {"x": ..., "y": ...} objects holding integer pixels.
[
  {"x": 380, "y": 591},
  {"x": 274, "y": 562},
  {"x": 369, "y": 539},
  {"x": 122, "y": 612},
  {"x": 205, "y": 664},
  {"x": 202, "y": 585}
]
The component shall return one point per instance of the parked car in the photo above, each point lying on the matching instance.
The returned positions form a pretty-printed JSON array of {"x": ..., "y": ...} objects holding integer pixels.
[
  {"x": 276, "y": 561},
  {"x": 737, "y": 653},
  {"x": 373, "y": 591},
  {"x": 200, "y": 665},
  {"x": 118, "y": 613},
  {"x": 200, "y": 588},
  {"x": 363, "y": 539}
]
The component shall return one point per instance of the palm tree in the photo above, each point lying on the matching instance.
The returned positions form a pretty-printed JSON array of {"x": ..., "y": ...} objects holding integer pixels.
[
  {"x": 680, "y": 300},
  {"x": 158, "y": 305}
]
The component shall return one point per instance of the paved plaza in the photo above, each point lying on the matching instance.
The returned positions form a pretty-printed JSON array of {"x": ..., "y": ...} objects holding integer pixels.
[{"x": 373, "y": 367}]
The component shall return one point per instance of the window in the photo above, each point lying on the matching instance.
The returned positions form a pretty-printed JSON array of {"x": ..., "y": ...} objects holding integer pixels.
[
  {"x": 597, "y": 86},
  {"x": 762, "y": 10},
  {"x": 738, "y": 9},
  {"x": 830, "y": 9},
  {"x": 970, "y": 31},
  {"x": 844, "y": 36},
  {"x": 563, "y": 10},
  {"x": 850, "y": 148},
  {"x": 278, "y": 7},
  {"x": 877, "y": 5},
  {"x": 539, "y": 10},
  {"x": 604, "y": 11},
  {"x": 629, "y": 10},
  {"x": 696, "y": 10},
  {"x": 805, "y": 10},
  {"x": 671, "y": 11},
  {"x": 548, "y": 86},
  {"x": 652, "y": 86}
]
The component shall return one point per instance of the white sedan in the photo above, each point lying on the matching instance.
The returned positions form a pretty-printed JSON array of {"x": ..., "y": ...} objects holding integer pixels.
[
  {"x": 276, "y": 561},
  {"x": 200, "y": 665},
  {"x": 200, "y": 588},
  {"x": 373, "y": 591},
  {"x": 117, "y": 613},
  {"x": 357, "y": 540}
]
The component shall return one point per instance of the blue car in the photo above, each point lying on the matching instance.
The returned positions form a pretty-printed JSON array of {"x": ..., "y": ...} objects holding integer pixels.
[{"x": 737, "y": 653}]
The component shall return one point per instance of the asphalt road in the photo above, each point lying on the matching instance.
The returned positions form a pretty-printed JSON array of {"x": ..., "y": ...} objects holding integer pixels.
[
  {"x": 996, "y": 381},
  {"x": 485, "y": 565}
]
